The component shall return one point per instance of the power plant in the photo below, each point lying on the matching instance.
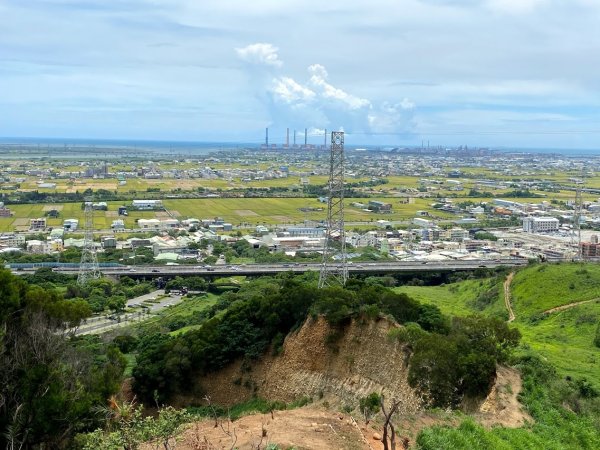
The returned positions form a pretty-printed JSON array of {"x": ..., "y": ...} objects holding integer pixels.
[{"x": 285, "y": 145}]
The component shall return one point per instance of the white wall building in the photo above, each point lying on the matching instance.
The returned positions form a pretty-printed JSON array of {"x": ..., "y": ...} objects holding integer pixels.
[
  {"x": 71, "y": 224},
  {"x": 146, "y": 204},
  {"x": 540, "y": 224}
]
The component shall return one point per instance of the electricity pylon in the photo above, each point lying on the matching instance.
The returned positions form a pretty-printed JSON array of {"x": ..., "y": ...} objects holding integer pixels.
[
  {"x": 335, "y": 272},
  {"x": 88, "y": 267}
]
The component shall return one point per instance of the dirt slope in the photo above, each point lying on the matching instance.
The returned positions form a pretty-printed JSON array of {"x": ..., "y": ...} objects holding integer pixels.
[
  {"x": 314, "y": 363},
  {"x": 318, "y": 428}
]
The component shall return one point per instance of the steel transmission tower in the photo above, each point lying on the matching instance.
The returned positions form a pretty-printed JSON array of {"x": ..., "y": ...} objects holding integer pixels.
[
  {"x": 88, "y": 267},
  {"x": 335, "y": 272},
  {"x": 577, "y": 221}
]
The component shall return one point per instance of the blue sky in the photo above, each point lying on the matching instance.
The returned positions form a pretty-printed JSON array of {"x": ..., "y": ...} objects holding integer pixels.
[{"x": 521, "y": 73}]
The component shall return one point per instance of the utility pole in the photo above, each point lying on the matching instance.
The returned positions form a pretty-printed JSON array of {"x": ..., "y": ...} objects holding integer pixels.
[
  {"x": 88, "y": 267},
  {"x": 335, "y": 272}
]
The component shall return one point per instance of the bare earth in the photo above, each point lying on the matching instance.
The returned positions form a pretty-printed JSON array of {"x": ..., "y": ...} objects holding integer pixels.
[
  {"x": 507, "y": 282},
  {"x": 51, "y": 207},
  {"x": 316, "y": 428},
  {"x": 245, "y": 212},
  {"x": 570, "y": 305},
  {"x": 304, "y": 428}
]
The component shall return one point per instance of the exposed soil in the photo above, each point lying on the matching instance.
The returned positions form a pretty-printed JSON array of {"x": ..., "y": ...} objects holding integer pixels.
[
  {"x": 339, "y": 366},
  {"x": 502, "y": 407},
  {"x": 570, "y": 305},
  {"x": 335, "y": 368},
  {"x": 507, "y": 283},
  {"x": 317, "y": 428},
  {"x": 304, "y": 428}
]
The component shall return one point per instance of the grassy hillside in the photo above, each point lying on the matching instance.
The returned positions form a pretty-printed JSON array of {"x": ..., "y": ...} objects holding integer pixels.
[
  {"x": 463, "y": 298},
  {"x": 556, "y": 354},
  {"x": 541, "y": 287},
  {"x": 564, "y": 338}
]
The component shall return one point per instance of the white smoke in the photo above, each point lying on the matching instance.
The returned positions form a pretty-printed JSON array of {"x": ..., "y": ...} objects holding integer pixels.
[
  {"x": 316, "y": 103},
  {"x": 260, "y": 53}
]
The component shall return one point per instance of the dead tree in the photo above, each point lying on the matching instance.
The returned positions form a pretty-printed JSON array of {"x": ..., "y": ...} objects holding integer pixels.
[
  {"x": 389, "y": 432},
  {"x": 229, "y": 430}
]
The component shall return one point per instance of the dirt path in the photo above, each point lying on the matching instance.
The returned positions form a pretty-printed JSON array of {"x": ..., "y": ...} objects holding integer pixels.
[
  {"x": 570, "y": 305},
  {"x": 507, "y": 282}
]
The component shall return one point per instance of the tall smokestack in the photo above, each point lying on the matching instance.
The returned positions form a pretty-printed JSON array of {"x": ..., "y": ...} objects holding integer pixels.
[
  {"x": 267, "y": 136},
  {"x": 305, "y": 137},
  {"x": 325, "y": 139},
  {"x": 287, "y": 137},
  {"x": 294, "y": 137}
]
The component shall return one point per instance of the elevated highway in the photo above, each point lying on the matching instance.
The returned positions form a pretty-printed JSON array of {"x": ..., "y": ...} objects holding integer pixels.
[{"x": 388, "y": 267}]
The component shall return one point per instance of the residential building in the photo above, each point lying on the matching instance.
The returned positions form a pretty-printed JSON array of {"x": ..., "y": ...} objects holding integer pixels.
[
  {"x": 108, "y": 242},
  {"x": 457, "y": 234},
  {"x": 380, "y": 206},
  {"x": 70, "y": 224},
  {"x": 12, "y": 240},
  {"x": 591, "y": 249},
  {"x": 149, "y": 224},
  {"x": 306, "y": 231},
  {"x": 118, "y": 225},
  {"x": 37, "y": 224}
]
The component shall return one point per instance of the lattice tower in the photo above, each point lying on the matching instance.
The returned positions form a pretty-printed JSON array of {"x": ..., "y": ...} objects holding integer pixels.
[
  {"x": 88, "y": 267},
  {"x": 335, "y": 272}
]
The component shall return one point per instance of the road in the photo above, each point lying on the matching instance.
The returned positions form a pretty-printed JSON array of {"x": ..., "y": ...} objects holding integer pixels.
[
  {"x": 266, "y": 269},
  {"x": 154, "y": 302}
]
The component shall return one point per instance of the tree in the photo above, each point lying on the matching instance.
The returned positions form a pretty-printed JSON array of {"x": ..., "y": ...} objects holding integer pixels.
[
  {"x": 48, "y": 380},
  {"x": 369, "y": 405}
]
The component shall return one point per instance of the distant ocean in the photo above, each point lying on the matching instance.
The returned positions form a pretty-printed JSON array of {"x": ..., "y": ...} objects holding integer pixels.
[
  {"x": 177, "y": 147},
  {"x": 204, "y": 148}
]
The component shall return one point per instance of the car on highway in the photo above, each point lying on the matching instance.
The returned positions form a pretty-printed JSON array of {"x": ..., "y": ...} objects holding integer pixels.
[{"x": 155, "y": 270}]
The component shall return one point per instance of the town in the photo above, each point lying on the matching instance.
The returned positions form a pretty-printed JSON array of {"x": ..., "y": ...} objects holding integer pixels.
[{"x": 403, "y": 204}]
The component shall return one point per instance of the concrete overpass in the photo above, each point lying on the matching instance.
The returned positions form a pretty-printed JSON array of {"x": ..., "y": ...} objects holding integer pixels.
[{"x": 373, "y": 268}]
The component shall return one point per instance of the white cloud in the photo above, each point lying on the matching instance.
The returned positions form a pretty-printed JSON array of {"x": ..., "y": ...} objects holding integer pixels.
[
  {"x": 318, "y": 104},
  {"x": 260, "y": 53},
  {"x": 289, "y": 91},
  {"x": 318, "y": 80}
]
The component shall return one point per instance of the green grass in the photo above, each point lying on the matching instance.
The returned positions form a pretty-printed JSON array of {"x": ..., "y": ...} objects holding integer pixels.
[
  {"x": 131, "y": 361},
  {"x": 541, "y": 287},
  {"x": 565, "y": 338},
  {"x": 458, "y": 299},
  {"x": 180, "y": 312}
]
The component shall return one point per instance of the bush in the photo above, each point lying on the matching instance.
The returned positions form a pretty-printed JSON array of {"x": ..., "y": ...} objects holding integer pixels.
[
  {"x": 597, "y": 337},
  {"x": 370, "y": 405}
]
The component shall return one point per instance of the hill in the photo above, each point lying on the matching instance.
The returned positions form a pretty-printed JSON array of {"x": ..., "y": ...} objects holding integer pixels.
[{"x": 564, "y": 337}]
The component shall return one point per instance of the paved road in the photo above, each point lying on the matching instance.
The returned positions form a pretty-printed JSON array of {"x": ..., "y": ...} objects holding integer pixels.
[
  {"x": 265, "y": 269},
  {"x": 100, "y": 324}
]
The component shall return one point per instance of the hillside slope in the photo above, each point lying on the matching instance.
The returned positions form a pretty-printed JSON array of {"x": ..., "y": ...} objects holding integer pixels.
[
  {"x": 564, "y": 337},
  {"x": 321, "y": 362}
]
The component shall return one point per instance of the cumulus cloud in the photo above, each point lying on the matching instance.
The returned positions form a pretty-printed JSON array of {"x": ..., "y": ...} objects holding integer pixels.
[
  {"x": 316, "y": 103},
  {"x": 260, "y": 53}
]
